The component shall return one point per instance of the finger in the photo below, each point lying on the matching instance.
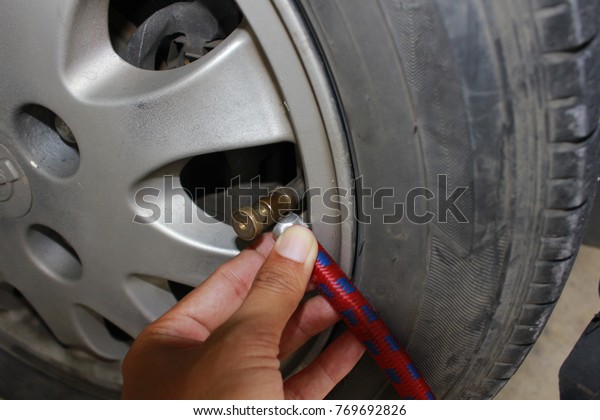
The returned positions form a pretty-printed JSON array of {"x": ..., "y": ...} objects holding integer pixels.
[
  {"x": 280, "y": 282},
  {"x": 213, "y": 302},
  {"x": 318, "y": 379},
  {"x": 310, "y": 319}
]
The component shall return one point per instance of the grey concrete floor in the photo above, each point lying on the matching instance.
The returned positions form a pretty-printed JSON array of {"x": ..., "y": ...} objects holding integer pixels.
[{"x": 537, "y": 378}]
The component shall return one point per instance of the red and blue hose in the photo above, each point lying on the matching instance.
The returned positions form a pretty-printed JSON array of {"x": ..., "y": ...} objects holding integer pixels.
[{"x": 368, "y": 327}]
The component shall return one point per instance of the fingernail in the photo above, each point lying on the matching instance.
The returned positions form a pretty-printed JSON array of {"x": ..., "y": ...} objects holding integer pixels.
[{"x": 295, "y": 244}]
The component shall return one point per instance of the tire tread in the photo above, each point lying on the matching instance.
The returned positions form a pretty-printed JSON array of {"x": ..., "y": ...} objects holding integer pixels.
[{"x": 568, "y": 32}]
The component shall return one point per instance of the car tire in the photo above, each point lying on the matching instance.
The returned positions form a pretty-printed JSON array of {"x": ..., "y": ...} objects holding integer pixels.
[{"x": 499, "y": 98}]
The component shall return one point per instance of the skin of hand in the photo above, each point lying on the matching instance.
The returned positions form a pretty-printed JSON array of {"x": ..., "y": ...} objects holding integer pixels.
[{"x": 225, "y": 339}]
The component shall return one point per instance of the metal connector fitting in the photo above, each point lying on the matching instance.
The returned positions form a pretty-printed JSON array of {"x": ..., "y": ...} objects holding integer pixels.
[
  {"x": 287, "y": 222},
  {"x": 250, "y": 222}
]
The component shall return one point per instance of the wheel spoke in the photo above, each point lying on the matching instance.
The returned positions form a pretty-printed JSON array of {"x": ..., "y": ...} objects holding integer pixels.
[
  {"x": 35, "y": 71},
  {"x": 148, "y": 119},
  {"x": 54, "y": 306},
  {"x": 172, "y": 254}
]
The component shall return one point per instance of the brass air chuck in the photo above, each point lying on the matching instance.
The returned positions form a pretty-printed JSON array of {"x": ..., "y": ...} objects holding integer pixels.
[{"x": 250, "y": 222}]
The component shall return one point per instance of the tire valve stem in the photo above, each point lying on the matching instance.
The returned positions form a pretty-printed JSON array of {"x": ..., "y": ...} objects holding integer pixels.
[{"x": 250, "y": 222}]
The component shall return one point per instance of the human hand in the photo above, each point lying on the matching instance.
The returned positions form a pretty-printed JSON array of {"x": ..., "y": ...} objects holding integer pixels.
[{"x": 226, "y": 338}]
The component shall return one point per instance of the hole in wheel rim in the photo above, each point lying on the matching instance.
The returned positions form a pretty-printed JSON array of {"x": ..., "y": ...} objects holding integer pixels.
[
  {"x": 48, "y": 140},
  {"x": 222, "y": 182},
  {"x": 54, "y": 253},
  {"x": 166, "y": 34}
]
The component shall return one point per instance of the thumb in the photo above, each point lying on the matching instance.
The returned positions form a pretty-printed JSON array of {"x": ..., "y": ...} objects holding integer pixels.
[{"x": 281, "y": 282}]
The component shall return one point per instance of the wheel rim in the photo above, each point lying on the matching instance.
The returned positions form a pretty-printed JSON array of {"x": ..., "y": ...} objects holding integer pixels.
[{"x": 94, "y": 276}]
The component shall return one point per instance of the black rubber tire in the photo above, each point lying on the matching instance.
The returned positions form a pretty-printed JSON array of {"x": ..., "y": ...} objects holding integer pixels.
[{"x": 502, "y": 96}]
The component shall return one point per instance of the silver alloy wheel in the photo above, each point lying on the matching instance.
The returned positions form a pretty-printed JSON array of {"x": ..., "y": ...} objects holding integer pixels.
[{"x": 68, "y": 242}]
